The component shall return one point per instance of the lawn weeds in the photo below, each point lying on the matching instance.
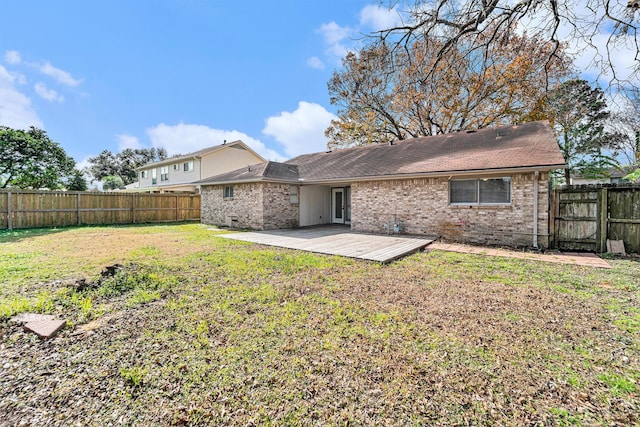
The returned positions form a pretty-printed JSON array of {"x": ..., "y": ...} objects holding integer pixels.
[{"x": 197, "y": 330}]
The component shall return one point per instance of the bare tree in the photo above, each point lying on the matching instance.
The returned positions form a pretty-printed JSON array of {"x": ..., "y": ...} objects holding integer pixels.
[
  {"x": 384, "y": 96},
  {"x": 608, "y": 27}
]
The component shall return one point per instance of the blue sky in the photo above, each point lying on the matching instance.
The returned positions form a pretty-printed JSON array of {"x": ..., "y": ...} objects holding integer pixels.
[{"x": 182, "y": 74}]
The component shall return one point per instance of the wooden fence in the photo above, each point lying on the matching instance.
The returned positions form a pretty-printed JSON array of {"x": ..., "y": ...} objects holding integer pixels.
[
  {"x": 32, "y": 209},
  {"x": 584, "y": 217}
]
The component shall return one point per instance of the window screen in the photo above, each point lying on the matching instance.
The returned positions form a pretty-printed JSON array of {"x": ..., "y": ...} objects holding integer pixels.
[
  {"x": 489, "y": 191},
  {"x": 495, "y": 190},
  {"x": 464, "y": 191}
]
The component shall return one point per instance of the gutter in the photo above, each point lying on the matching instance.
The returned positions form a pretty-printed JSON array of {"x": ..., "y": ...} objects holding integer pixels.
[
  {"x": 536, "y": 177},
  {"x": 439, "y": 174}
]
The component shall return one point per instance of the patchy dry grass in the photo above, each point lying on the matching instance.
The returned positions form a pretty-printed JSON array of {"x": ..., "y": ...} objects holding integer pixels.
[{"x": 198, "y": 330}]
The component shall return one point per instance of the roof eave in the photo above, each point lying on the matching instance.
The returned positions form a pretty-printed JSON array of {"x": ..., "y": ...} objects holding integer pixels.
[
  {"x": 169, "y": 161},
  {"x": 437, "y": 174},
  {"x": 539, "y": 168},
  {"x": 250, "y": 180},
  {"x": 199, "y": 156}
]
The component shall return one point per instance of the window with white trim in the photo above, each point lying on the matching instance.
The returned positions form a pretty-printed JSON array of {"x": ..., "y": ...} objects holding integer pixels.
[
  {"x": 176, "y": 167},
  {"x": 228, "y": 191},
  {"x": 188, "y": 166},
  {"x": 154, "y": 177},
  {"x": 143, "y": 174},
  {"x": 486, "y": 191},
  {"x": 164, "y": 173},
  {"x": 293, "y": 194}
]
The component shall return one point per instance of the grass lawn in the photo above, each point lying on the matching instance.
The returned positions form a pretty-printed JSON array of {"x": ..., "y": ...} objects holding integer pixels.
[{"x": 200, "y": 330}]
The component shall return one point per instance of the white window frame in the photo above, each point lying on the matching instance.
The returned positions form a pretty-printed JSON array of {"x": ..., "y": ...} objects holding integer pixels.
[
  {"x": 188, "y": 166},
  {"x": 164, "y": 173},
  {"x": 477, "y": 201},
  {"x": 154, "y": 176},
  {"x": 294, "y": 197},
  {"x": 176, "y": 166},
  {"x": 228, "y": 192},
  {"x": 143, "y": 174}
]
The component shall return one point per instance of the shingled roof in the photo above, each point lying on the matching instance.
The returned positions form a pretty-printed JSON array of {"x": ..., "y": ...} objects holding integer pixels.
[
  {"x": 270, "y": 171},
  {"x": 529, "y": 146}
]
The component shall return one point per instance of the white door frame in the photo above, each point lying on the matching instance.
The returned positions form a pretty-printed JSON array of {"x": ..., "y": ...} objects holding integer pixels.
[{"x": 337, "y": 205}]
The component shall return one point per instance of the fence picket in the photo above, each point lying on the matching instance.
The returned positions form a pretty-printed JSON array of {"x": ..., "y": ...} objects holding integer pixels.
[
  {"x": 33, "y": 209},
  {"x": 587, "y": 216}
]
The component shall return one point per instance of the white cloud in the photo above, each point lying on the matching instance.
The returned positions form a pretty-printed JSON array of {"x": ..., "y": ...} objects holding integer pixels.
[
  {"x": 15, "y": 107},
  {"x": 59, "y": 75},
  {"x": 185, "y": 138},
  {"x": 84, "y": 163},
  {"x": 48, "y": 94},
  {"x": 315, "y": 62},
  {"x": 300, "y": 131},
  {"x": 128, "y": 141},
  {"x": 340, "y": 40},
  {"x": 12, "y": 57},
  {"x": 336, "y": 39},
  {"x": 379, "y": 18}
]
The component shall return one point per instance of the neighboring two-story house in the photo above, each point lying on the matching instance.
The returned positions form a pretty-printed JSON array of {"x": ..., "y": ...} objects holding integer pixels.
[{"x": 179, "y": 173}]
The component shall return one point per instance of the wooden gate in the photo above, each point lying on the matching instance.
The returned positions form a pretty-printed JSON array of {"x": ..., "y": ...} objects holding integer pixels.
[
  {"x": 623, "y": 217},
  {"x": 582, "y": 218}
]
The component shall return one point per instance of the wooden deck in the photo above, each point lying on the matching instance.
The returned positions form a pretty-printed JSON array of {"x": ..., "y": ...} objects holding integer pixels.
[{"x": 336, "y": 240}]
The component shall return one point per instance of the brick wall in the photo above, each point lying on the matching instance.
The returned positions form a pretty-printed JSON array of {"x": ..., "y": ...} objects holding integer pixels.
[
  {"x": 422, "y": 207},
  {"x": 261, "y": 206},
  {"x": 279, "y": 212},
  {"x": 243, "y": 210}
]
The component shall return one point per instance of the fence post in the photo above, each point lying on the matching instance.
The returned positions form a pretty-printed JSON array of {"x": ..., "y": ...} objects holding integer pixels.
[
  {"x": 552, "y": 217},
  {"x": 9, "y": 212},
  {"x": 177, "y": 209},
  {"x": 603, "y": 220},
  {"x": 133, "y": 208},
  {"x": 78, "y": 213}
]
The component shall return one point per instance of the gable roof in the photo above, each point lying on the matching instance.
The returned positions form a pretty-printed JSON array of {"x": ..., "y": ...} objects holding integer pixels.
[
  {"x": 529, "y": 146},
  {"x": 200, "y": 153},
  {"x": 268, "y": 171}
]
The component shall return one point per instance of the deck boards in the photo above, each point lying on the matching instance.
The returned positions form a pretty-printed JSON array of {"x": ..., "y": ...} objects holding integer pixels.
[{"x": 337, "y": 240}]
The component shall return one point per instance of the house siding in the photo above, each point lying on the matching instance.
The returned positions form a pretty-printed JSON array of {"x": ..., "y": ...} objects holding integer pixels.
[
  {"x": 422, "y": 206},
  {"x": 263, "y": 206},
  {"x": 315, "y": 205},
  {"x": 175, "y": 176},
  {"x": 225, "y": 160},
  {"x": 217, "y": 161}
]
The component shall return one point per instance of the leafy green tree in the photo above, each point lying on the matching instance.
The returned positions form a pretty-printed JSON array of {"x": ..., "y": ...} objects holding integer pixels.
[
  {"x": 112, "y": 182},
  {"x": 77, "y": 181},
  {"x": 634, "y": 176},
  {"x": 626, "y": 123},
  {"x": 102, "y": 165},
  {"x": 124, "y": 163},
  {"x": 130, "y": 159},
  {"x": 578, "y": 114},
  {"x": 30, "y": 159}
]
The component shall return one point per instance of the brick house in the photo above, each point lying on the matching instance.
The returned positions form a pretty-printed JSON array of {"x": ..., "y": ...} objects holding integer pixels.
[
  {"x": 178, "y": 173},
  {"x": 487, "y": 186}
]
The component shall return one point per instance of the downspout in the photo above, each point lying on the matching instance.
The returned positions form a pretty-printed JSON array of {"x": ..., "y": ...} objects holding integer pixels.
[{"x": 536, "y": 177}]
